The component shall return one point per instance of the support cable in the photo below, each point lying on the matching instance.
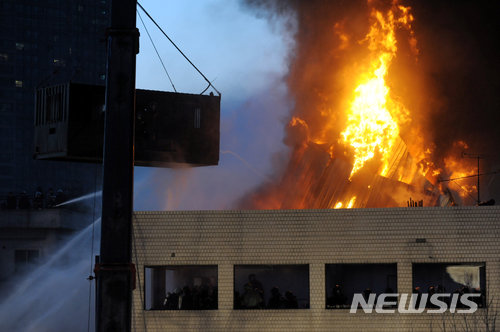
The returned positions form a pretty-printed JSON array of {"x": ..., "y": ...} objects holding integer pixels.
[
  {"x": 178, "y": 49},
  {"x": 158, "y": 54},
  {"x": 465, "y": 191}
]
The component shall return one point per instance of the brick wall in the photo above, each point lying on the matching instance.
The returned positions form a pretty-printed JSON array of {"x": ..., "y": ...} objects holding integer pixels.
[{"x": 314, "y": 237}]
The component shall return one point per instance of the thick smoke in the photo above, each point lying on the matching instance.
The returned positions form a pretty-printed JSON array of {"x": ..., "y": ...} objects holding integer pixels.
[{"x": 450, "y": 88}]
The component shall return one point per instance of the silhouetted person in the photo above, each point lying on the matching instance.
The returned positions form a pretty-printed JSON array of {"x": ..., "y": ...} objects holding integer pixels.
[
  {"x": 11, "y": 201},
  {"x": 337, "y": 298},
  {"x": 291, "y": 301},
  {"x": 277, "y": 300},
  {"x": 24, "y": 202},
  {"x": 173, "y": 299},
  {"x": 60, "y": 197},
  {"x": 256, "y": 284},
  {"x": 251, "y": 298},
  {"x": 38, "y": 201},
  {"x": 48, "y": 197},
  {"x": 42, "y": 194},
  {"x": 431, "y": 291},
  {"x": 187, "y": 299},
  {"x": 477, "y": 300},
  {"x": 196, "y": 297},
  {"x": 416, "y": 290},
  {"x": 51, "y": 204},
  {"x": 167, "y": 300},
  {"x": 366, "y": 294},
  {"x": 205, "y": 299}
]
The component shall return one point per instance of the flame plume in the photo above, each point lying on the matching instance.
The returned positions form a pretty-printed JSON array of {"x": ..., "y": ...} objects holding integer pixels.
[{"x": 374, "y": 118}]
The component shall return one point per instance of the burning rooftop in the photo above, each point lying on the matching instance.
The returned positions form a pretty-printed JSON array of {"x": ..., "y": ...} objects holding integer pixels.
[{"x": 356, "y": 132}]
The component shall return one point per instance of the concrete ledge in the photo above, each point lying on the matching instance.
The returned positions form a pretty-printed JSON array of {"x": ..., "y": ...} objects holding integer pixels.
[{"x": 46, "y": 218}]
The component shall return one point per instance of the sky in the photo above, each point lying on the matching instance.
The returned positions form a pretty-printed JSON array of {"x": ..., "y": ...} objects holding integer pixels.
[{"x": 245, "y": 59}]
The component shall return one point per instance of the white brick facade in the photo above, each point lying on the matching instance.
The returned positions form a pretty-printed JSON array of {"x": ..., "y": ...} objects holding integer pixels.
[{"x": 314, "y": 237}]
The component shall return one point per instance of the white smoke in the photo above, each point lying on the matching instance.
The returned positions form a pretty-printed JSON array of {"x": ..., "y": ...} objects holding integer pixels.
[{"x": 56, "y": 296}]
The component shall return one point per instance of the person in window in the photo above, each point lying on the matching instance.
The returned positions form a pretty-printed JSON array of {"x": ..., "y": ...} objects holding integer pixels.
[
  {"x": 431, "y": 292},
  {"x": 205, "y": 300},
  {"x": 277, "y": 300},
  {"x": 173, "y": 299},
  {"x": 187, "y": 299},
  {"x": 256, "y": 284},
  {"x": 38, "y": 201},
  {"x": 11, "y": 201},
  {"x": 416, "y": 291},
  {"x": 337, "y": 298},
  {"x": 251, "y": 298},
  {"x": 167, "y": 300},
  {"x": 291, "y": 301},
  {"x": 366, "y": 295},
  {"x": 24, "y": 202}
]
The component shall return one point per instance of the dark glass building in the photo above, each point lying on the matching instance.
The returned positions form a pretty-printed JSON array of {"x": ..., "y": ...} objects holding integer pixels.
[{"x": 43, "y": 43}]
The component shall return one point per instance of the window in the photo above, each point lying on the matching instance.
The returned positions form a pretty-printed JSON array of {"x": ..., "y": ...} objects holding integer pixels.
[
  {"x": 271, "y": 287},
  {"x": 345, "y": 280},
  {"x": 453, "y": 278},
  {"x": 19, "y": 84},
  {"x": 189, "y": 287},
  {"x": 20, "y": 46}
]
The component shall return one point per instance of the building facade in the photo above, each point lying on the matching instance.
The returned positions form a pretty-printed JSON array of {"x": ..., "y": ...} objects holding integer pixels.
[
  {"x": 310, "y": 252},
  {"x": 43, "y": 44}
]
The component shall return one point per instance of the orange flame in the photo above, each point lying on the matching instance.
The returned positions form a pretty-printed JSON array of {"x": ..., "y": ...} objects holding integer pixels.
[
  {"x": 374, "y": 118},
  {"x": 351, "y": 202}
]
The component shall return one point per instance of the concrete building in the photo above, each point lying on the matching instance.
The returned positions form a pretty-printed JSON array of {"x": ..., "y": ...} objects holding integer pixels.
[
  {"x": 309, "y": 252},
  {"x": 29, "y": 236}
]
